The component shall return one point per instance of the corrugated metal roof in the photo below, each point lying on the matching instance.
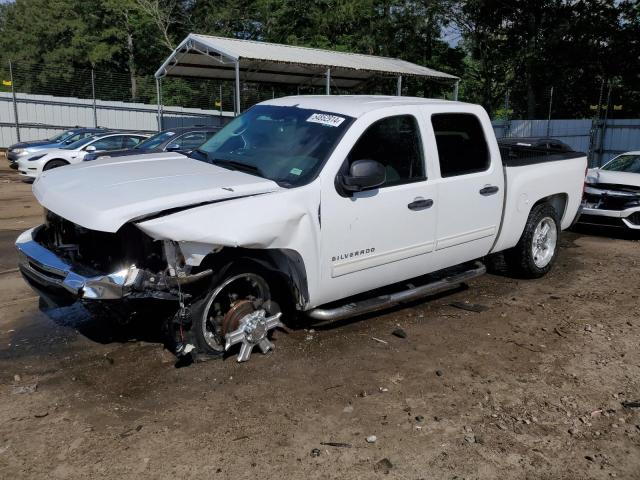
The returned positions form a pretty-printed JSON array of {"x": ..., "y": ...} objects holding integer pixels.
[{"x": 215, "y": 57}]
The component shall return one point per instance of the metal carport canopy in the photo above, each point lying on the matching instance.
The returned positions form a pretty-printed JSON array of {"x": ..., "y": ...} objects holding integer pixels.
[{"x": 204, "y": 56}]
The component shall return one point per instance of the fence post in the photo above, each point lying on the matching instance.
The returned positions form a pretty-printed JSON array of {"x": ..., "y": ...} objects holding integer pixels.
[
  {"x": 93, "y": 95},
  {"x": 549, "y": 116},
  {"x": 159, "y": 100},
  {"x": 603, "y": 128},
  {"x": 15, "y": 102}
]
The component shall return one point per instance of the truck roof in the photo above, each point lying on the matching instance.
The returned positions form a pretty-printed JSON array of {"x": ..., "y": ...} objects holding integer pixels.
[{"x": 355, "y": 105}]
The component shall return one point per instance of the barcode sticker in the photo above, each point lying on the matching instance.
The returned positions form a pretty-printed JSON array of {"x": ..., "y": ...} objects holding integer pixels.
[{"x": 325, "y": 119}]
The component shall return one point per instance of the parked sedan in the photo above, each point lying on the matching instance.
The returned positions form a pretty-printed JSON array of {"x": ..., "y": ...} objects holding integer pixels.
[
  {"x": 34, "y": 165},
  {"x": 181, "y": 140},
  {"x": 26, "y": 149},
  {"x": 612, "y": 193}
]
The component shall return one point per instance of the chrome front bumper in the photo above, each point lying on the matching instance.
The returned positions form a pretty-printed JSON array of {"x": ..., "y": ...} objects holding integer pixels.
[
  {"x": 54, "y": 274},
  {"x": 619, "y": 214}
]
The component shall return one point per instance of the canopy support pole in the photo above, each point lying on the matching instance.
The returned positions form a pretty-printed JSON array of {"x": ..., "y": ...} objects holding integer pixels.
[
  {"x": 328, "y": 82},
  {"x": 159, "y": 101},
  {"x": 237, "y": 105},
  {"x": 455, "y": 90},
  {"x": 399, "y": 86}
]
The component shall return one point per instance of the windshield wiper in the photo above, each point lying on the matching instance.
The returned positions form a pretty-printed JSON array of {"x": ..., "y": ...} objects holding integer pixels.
[{"x": 234, "y": 165}]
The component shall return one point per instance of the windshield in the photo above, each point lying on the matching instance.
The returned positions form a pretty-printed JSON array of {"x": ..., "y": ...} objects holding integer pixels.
[
  {"x": 153, "y": 142},
  {"x": 62, "y": 137},
  {"x": 78, "y": 143},
  {"x": 285, "y": 144},
  {"x": 624, "y": 163}
]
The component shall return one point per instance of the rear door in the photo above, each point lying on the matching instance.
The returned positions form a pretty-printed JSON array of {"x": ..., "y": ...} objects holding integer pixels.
[
  {"x": 384, "y": 235},
  {"x": 470, "y": 188}
]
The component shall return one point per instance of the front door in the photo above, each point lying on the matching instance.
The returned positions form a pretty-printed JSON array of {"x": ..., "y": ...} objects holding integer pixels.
[{"x": 385, "y": 235}]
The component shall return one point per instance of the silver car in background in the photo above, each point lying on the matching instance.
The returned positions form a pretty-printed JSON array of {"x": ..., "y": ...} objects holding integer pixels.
[{"x": 612, "y": 193}]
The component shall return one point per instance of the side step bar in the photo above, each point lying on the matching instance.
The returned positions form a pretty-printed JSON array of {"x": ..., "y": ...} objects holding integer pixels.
[{"x": 385, "y": 301}]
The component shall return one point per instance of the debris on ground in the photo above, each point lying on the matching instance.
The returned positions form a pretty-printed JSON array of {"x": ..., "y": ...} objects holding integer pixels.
[
  {"x": 131, "y": 431},
  {"x": 348, "y": 409},
  {"x": 379, "y": 340},
  {"x": 25, "y": 389},
  {"x": 383, "y": 466},
  {"x": 372, "y": 439},
  {"x": 439, "y": 373},
  {"x": 470, "y": 307},
  {"x": 336, "y": 444},
  {"x": 315, "y": 452},
  {"x": 631, "y": 404},
  {"x": 419, "y": 418},
  {"x": 398, "y": 332}
]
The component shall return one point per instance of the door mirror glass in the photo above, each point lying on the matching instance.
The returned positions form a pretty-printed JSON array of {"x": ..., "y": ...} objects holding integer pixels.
[
  {"x": 172, "y": 147},
  {"x": 364, "y": 175},
  {"x": 90, "y": 148}
]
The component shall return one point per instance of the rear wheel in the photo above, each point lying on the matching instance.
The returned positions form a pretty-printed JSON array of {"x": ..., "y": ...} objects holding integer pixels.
[
  {"x": 537, "y": 250},
  {"x": 55, "y": 164}
]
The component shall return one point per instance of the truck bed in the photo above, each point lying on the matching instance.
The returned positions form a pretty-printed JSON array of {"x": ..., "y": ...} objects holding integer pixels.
[{"x": 532, "y": 173}]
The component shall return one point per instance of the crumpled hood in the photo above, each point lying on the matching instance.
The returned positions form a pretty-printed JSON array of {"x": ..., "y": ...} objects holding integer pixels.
[
  {"x": 105, "y": 194},
  {"x": 596, "y": 175}
]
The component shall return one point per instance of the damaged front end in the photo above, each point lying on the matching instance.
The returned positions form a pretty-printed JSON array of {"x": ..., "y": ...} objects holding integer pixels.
[
  {"x": 65, "y": 261},
  {"x": 611, "y": 205}
]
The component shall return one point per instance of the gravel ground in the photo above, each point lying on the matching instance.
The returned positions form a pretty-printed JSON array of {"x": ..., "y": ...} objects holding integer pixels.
[{"x": 534, "y": 387}]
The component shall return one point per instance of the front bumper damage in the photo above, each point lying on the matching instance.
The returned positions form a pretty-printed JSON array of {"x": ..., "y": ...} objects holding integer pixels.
[
  {"x": 608, "y": 207},
  {"x": 53, "y": 274}
]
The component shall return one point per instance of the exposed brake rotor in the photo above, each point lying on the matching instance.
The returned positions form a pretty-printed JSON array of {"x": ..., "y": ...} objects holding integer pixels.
[{"x": 237, "y": 310}]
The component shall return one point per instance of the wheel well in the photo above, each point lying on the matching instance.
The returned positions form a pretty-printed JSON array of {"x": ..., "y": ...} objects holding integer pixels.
[
  {"x": 55, "y": 160},
  {"x": 285, "y": 267},
  {"x": 558, "y": 201}
]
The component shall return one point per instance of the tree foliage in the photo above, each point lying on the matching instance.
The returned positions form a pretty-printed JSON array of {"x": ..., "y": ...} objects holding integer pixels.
[{"x": 514, "y": 48}]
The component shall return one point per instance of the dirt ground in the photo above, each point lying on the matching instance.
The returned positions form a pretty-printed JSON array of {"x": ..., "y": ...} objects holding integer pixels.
[{"x": 532, "y": 388}]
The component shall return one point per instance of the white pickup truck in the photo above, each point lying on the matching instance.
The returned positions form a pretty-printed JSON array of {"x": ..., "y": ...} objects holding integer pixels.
[{"x": 327, "y": 205}]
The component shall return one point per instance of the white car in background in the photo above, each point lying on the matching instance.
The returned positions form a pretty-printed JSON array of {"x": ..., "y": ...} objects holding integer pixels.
[
  {"x": 33, "y": 165},
  {"x": 612, "y": 193}
]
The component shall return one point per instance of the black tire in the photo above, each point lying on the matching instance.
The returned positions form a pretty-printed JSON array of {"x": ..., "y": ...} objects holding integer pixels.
[
  {"x": 521, "y": 259},
  {"x": 55, "y": 164},
  {"x": 207, "y": 322}
]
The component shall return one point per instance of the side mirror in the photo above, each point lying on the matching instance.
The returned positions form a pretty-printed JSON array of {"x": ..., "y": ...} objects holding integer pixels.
[
  {"x": 364, "y": 175},
  {"x": 90, "y": 148},
  {"x": 172, "y": 147},
  {"x": 68, "y": 142}
]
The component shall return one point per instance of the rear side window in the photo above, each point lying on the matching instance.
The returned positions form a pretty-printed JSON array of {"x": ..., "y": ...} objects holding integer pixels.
[
  {"x": 192, "y": 140},
  {"x": 395, "y": 143},
  {"x": 462, "y": 148}
]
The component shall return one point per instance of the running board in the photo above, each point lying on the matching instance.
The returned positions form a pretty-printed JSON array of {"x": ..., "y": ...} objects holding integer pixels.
[{"x": 385, "y": 301}]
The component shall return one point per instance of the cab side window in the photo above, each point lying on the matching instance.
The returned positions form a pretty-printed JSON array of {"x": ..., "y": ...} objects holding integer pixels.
[
  {"x": 462, "y": 148},
  {"x": 395, "y": 143}
]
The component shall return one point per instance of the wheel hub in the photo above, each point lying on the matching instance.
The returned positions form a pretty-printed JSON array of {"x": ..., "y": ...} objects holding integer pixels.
[
  {"x": 252, "y": 331},
  {"x": 544, "y": 242}
]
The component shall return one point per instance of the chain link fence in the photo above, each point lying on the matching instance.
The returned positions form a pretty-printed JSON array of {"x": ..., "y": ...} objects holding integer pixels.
[
  {"x": 601, "y": 118},
  {"x": 38, "y": 102}
]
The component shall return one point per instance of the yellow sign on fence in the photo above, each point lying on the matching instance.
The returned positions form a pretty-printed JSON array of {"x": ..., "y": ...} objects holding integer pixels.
[
  {"x": 6, "y": 83},
  {"x": 217, "y": 103}
]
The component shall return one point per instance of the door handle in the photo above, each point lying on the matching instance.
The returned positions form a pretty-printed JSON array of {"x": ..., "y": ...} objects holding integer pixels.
[
  {"x": 490, "y": 190},
  {"x": 420, "y": 204}
]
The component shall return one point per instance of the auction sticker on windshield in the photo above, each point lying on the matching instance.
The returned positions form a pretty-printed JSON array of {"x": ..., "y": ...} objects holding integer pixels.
[{"x": 326, "y": 119}]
